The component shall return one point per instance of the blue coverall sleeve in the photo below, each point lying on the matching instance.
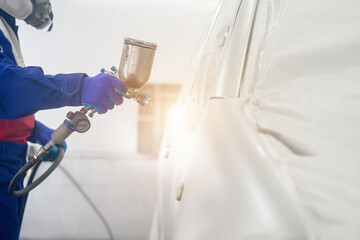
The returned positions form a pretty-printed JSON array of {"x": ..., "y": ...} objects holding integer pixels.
[{"x": 25, "y": 90}]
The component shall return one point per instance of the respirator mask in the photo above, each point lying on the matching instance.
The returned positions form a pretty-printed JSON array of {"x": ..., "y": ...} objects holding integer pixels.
[{"x": 37, "y": 13}]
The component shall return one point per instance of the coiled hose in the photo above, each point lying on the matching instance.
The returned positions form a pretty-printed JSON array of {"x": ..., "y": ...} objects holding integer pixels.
[{"x": 31, "y": 185}]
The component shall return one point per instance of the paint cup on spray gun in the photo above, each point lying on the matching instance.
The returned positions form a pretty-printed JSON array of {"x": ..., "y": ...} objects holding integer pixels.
[{"x": 135, "y": 68}]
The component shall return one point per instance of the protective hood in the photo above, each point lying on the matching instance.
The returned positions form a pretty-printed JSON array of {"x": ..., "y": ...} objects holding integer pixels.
[{"x": 37, "y": 13}]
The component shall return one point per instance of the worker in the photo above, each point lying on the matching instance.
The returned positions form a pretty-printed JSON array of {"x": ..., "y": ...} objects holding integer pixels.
[{"x": 26, "y": 90}]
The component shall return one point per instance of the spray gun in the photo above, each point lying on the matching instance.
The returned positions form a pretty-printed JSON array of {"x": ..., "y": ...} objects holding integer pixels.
[
  {"x": 135, "y": 68},
  {"x": 134, "y": 71}
]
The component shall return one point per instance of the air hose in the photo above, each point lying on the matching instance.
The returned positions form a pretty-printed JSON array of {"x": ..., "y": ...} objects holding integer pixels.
[
  {"x": 89, "y": 201},
  {"x": 76, "y": 122},
  {"x": 30, "y": 184}
]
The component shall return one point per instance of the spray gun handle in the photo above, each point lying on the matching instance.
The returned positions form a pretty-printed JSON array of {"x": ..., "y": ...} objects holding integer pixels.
[{"x": 136, "y": 94}]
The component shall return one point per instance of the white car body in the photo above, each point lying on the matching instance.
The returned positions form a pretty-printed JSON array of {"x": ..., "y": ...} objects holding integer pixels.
[{"x": 263, "y": 143}]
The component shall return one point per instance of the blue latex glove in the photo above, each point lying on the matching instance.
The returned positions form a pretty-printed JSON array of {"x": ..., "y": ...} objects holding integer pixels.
[
  {"x": 102, "y": 92},
  {"x": 42, "y": 135}
]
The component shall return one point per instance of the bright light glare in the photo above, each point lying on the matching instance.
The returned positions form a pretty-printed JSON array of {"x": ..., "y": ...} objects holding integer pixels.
[{"x": 177, "y": 112}]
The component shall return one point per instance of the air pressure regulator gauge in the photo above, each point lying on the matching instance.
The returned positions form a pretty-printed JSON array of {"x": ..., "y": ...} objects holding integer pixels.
[
  {"x": 82, "y": 126},
  {"x": 78, "y": 122}
]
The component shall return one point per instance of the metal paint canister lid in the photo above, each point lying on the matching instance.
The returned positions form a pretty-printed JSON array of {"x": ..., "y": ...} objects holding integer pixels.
[{"x": 140, "y": 43}]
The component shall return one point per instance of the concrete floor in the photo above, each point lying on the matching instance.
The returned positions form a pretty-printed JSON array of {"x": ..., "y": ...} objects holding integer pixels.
[{"x": 122, "y": 188}]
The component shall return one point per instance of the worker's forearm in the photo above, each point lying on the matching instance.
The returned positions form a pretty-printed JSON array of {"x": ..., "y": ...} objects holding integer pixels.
[{"x": 24, "y": 91}]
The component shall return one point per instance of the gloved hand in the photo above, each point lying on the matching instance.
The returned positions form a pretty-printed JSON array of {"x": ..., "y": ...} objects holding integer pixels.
[
  {"x": 102, "y": 92},
  {"x": 42, "y": 135}
]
